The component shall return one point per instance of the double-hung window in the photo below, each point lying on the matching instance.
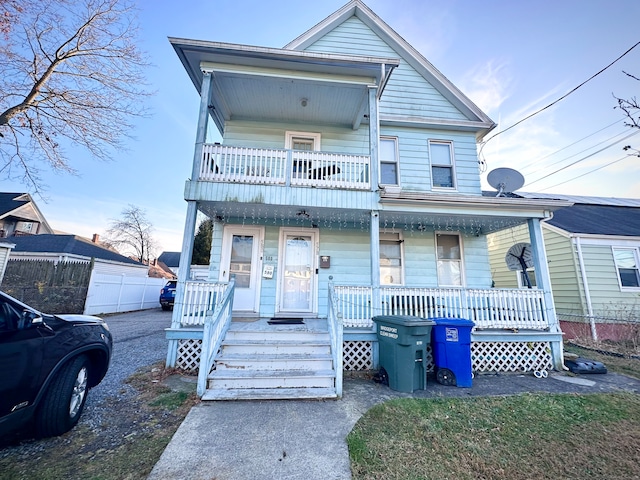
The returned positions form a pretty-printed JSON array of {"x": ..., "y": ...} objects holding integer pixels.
[
  {"x": 390, "y": 259},
  {"x": 301, "y": 141},
  {"x": 449, "y": 260},
  {"x": 442, "y": 164},
  {"x": 627, "y": 261},
  {"x": 388, "y": 161}
]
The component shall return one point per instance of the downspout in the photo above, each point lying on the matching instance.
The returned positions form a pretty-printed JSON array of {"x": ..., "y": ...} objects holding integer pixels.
[{"x": 587, "y": 293}]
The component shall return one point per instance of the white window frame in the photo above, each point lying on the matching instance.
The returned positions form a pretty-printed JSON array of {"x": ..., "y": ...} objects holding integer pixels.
[
  {"x": 394, "y": 237},
  {"x": 520, "y": 279},
  {"x": 290, "y": 135},
  {"x": 396, "y": 160},
  {"x": 636, "y": 256},
  {"x": 461, "y": 260},
  {"x": 452, "y": 166}
]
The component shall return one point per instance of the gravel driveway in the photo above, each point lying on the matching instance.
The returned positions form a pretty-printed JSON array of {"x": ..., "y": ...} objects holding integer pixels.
[{"x": 139, "y": 341}]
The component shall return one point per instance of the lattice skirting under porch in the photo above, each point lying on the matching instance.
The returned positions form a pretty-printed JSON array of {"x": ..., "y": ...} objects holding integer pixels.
[
  {"x": 358, "y": 356},
  {"x": 188, "y": 358}
]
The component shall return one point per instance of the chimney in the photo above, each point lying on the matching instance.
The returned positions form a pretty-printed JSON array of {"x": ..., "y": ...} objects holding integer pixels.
[{"x": 96, "y": 238}]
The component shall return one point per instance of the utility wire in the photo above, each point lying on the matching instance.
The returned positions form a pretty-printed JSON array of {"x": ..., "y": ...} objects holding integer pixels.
[
  {"x": 538, "y": 160},
  {"x": 542, "y": 167},
  {"x": 559, "y": 99},
  {"x": 587, "y": 173},
  {"x": 583, "y": 158}
]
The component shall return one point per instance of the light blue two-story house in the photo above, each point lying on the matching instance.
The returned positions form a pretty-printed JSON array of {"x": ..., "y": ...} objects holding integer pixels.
[{"x": 346, "y": 186}]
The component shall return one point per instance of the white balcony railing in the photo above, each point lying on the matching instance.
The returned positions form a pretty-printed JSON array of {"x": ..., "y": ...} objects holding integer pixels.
[
  {"x": 490, "y": 308},
  {"x": 221, "y": 163}
]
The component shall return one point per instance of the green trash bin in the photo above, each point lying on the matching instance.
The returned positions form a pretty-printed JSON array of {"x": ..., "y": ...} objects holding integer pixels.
[{"x": 403, "y": 341}]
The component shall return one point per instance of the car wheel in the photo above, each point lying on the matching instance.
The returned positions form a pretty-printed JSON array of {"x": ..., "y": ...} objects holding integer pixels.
[
  {"x": 64, "y": 400},
  {"x": 166, "y": 307}
]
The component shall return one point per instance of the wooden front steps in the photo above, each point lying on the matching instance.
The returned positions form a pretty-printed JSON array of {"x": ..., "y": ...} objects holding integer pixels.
[{"x": 262, "y": 361}]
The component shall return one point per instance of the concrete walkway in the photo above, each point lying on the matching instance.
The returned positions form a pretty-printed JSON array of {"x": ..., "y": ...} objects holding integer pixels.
[{"x": 305, "y": 439}]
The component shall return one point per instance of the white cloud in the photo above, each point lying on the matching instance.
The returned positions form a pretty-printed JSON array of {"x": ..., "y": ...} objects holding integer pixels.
[{"x": 488, "y": 85}]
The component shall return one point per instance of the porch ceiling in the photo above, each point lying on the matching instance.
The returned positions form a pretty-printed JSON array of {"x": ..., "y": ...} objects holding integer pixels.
[
  {"x": 269, "y": 84},
  {"x": 414, "y": 223}
]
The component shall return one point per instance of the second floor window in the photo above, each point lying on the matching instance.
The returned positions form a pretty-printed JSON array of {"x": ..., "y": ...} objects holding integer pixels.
[
  {"x": 388, "y": 161},
  {"x": 442, "y": 171},
  {"x": 627, "y": 265}
]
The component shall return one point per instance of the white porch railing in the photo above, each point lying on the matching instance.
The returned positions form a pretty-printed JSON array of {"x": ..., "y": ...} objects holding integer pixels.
[
  {"x": 221, "y": 163},
  {"x": 490, "y": 308},
  {"x": 216, "y": 324},
  {"x": 200, "y": 298},
  {"x": 334, "y": 321}
]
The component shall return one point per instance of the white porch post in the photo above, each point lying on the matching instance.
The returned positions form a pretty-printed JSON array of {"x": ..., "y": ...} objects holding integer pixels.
[
  {"x": 543, "y": 280},
  {"x": 374, "y": 137},
  {"x": 374, "y": 145},
  {"x": 188, "y": 238}
]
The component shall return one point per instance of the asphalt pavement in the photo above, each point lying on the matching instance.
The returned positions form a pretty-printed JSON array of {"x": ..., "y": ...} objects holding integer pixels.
[{"x": 305, "y": 439}]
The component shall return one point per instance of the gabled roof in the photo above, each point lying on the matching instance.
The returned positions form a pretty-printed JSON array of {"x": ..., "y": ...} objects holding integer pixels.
[
  {"x": 170, "y": 259},
  {"x": 594, "y": 215},
  {"x": 67, "y": 244},
  {"x": 22, "y": 206},
  {"x": 403, "y": 48}
]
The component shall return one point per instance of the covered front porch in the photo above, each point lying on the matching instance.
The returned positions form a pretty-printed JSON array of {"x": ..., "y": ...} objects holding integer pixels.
[{"x": 515, "y": 331}]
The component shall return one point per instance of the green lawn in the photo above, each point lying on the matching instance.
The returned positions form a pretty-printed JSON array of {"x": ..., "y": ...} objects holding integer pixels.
[{"x": 520, "y": 437}]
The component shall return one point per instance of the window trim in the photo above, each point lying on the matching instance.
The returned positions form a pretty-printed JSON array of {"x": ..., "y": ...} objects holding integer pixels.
[
  {"x": 454, "y": 187},
  {"x": 289, "y": 135},
  {"x": 520, "y": 280},
  {"x": 393, "y": 237},
  {"x": 396, "y": 160},
  {"x": 636, "y": 256},
  {"x": 463, "y": 280}
]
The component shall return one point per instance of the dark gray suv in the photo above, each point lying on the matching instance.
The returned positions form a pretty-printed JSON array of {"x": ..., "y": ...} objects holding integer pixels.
[{"x": 48, "y": 363}]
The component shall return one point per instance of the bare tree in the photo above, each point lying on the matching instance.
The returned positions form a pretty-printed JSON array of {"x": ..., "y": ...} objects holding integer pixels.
[
  {"x": 630, "y": 107},
  {"x": 71, "y": 70},
  {"x": 132, "y": 235}
]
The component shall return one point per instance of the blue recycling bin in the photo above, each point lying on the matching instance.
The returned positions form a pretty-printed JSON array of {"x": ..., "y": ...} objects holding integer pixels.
[{"x": 451, "y": 347}]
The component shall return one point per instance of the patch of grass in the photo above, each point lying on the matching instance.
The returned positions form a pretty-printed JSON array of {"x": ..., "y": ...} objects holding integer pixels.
[
  {"x": 125, "y": 445},
  {"x": 521, "y": 437},
  {"x": 625, "y": 365}
]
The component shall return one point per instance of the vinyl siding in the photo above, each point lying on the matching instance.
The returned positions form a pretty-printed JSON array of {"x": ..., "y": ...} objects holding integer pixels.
[
  {"x": 407, "y": 93},
  {"x": 566, "y": 282}
]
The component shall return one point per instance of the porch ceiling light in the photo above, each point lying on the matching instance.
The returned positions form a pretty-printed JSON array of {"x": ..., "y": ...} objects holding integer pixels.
[
  {"x": 304, "y": 102},
  {"x": 303, "y": 213}
]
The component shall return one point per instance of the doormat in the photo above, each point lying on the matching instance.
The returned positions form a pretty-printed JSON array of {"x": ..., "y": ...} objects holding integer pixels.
[{"x": 285, "y": 321}]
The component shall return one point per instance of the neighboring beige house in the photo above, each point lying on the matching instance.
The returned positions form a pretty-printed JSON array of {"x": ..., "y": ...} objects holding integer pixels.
[
  {"x": 593, "y": 249},
  {"x": 19, "y": 215}
]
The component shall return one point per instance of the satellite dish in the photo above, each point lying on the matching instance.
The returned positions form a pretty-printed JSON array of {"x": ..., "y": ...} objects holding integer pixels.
[
  {"x": 505, "y": 180},
  {"x": 519, "y": 258}
]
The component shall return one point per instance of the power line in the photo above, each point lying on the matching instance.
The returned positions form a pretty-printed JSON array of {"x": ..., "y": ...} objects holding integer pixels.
[
  {"x": 559, "y": 99},
  {"x": 587, "y": 173},
  {"x": 542, "y": 167},
  {"x": 537, "y": 160},
  {"x": 583, "y": 158}
]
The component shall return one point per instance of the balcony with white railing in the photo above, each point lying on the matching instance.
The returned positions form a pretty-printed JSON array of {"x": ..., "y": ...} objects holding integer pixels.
[{"x": 298, "y": 168}]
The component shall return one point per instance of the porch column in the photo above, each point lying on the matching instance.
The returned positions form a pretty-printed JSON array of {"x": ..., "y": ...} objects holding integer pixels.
[
  {"x": 188, "y": 237},
  {"x": 374, "y": 137},
  {"x": 543, "y": 281},
  {"x": 376, "y": 302}
]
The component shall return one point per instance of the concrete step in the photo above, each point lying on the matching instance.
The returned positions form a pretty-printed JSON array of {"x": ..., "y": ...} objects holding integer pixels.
[
  {"x": 259, "y": 379},
  {"x": 292, "y": 361},
  {"x": 278, "y": 335},
  {"x": 269, "y": 394},
  {"x": 268, "y": 347}
]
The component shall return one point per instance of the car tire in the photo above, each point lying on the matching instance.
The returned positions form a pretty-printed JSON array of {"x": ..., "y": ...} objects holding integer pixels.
[
  {"x": 64, "y": 400},
  {"x": 166, "y": 307}
]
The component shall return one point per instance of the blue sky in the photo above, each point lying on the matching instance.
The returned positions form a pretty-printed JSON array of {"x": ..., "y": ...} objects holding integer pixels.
[{"x": 510, "y": 57}]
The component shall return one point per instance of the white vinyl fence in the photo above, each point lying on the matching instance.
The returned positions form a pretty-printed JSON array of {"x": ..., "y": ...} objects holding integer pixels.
[{"x": 122, "y": 293}]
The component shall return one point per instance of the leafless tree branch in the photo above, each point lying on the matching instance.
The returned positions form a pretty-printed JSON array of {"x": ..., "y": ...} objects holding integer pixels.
[{"x": 73, "y": 74}]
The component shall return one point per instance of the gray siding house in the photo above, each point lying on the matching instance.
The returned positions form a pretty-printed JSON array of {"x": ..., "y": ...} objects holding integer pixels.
[{"x": 346, "y": 186}]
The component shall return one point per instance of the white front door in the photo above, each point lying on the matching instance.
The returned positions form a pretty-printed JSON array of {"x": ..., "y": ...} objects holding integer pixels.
[
  {"x": 242, "y": 258},
  {"x": 297, "y": 267}
]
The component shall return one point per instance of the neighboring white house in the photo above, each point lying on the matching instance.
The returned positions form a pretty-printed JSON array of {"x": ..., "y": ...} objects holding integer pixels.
[
  {"x": 19, "y": 215},
  {"x": 5, "y": 250}
]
